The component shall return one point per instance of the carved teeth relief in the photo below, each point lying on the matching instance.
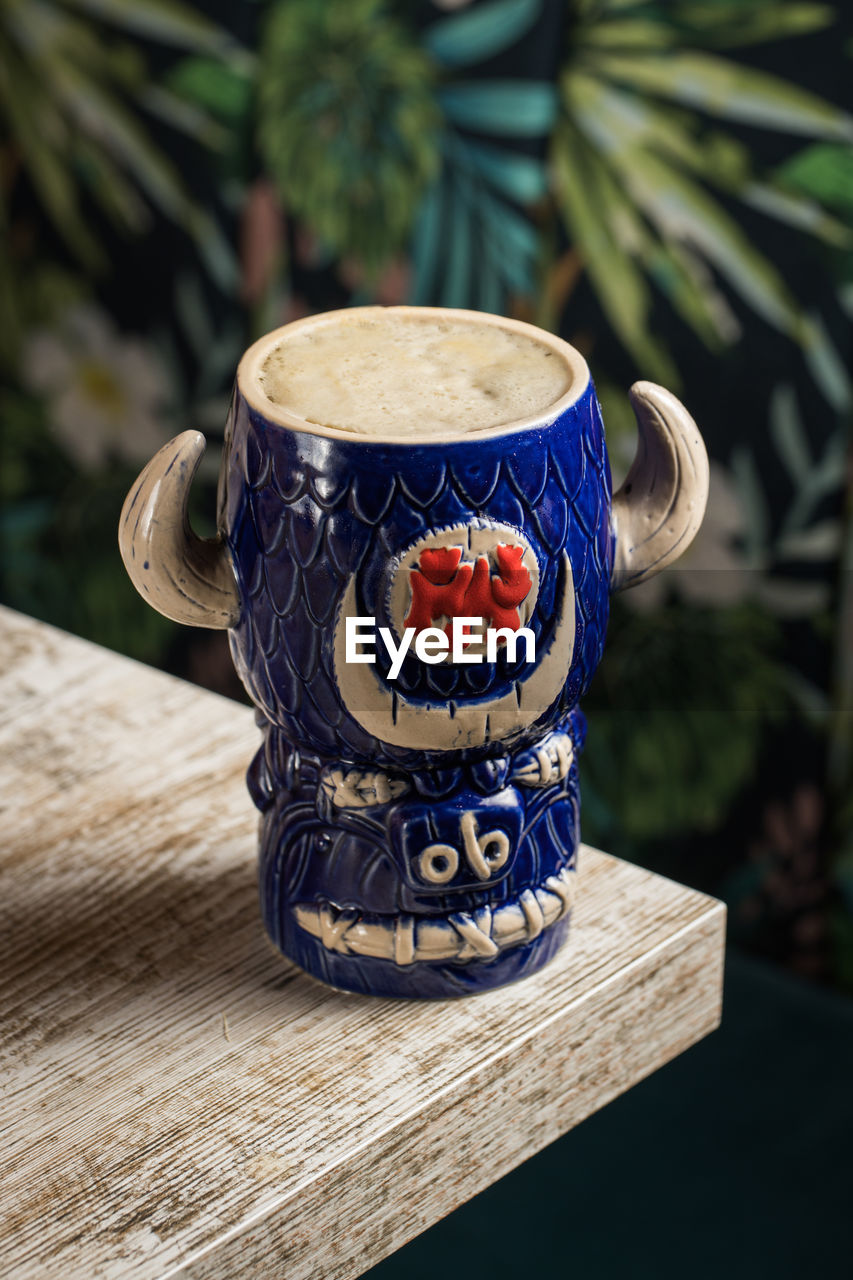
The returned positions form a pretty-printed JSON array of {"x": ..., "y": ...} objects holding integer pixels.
[
  {"x": 475, "y": 935},
  {"x": 548, "y": 762},
  {"x": 359, "y": 789}
]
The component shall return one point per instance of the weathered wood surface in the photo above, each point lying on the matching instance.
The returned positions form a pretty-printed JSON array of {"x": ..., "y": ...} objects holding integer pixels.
[{"x": 180, "y": 1101}]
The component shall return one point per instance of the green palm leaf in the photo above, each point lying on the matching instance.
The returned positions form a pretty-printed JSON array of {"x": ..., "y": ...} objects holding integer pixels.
[
  {"x": 823, "y": 172},
  {"x": 635, "y": 102},
  {"x": 735, "y": 24},
  {"x": 728, "y": 91},
  {"x": 426, "y": 242},
  {"x": 167, "y": 21},
  {"x": 181, "y": 115},
  {"x": 218, "y": 88},
  {"x": 521, "y": 178},
  {"x": 682, "y": 278},
  {"x": 477, "y": 34},
  {"x": 593, "y": 207},
  {"x": 513, "y": 239},
  {"x": 41, "y": 134},
  {"x": 634, "y": 34},
  {"x": 348, "y": 122},
  {"x": 112, "y": 189},
  {"x": 797, "y": 211},
  {"x": 616, "y": 118},
  {"x": 67, "y": 96},
  {"x": 491, "y": 247},
  {"x": 121, "y": 136},
  {"x": 456, "y": 289},
  {"x": 683, "y": 211},
  {"x": 512, "y": 108}
]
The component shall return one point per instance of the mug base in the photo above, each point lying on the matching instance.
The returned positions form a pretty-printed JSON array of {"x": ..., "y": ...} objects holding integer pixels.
[
  {"x": 421, "y": 980},
  {"x": 430, "y": 886}
]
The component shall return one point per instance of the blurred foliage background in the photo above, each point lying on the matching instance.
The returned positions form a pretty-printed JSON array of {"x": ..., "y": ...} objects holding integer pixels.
[{"x": 669, "y": 186}]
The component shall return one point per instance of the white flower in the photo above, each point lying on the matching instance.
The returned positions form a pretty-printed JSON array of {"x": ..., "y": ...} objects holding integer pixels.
[
  {"x": 107, "y": 394},
  {"x": 714, "y": 570}
]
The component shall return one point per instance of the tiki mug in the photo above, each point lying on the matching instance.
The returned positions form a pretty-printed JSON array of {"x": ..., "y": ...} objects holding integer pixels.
[{"x": 419, "y": 815}]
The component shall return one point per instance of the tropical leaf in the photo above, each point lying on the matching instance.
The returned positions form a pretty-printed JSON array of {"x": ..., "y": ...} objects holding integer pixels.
[
  {"x": 669, "y": 200},
  {"x": 594, "y": 211},
  {"x": 68, "y": 99},
  {"x": 516, "y": 240},
  {"x": 616, "y": 118},
  {"x": 826, "y": 365},
  {"x": 683, "y": 278},
  {"x": 735, "y": 24},
  {"x": 821, "y": 541},
  {"x": 213, "y": 248},
  {"x": 812, "y": 478},
  {"x": 796, "y": 211},
  {"x": 456, "y": 291},
  {"x": 511, "y": 108},
  {"x": 121, "y": 136},
  {"x": 631, "y": 34},
  {"x": 112, "y": 189},
  {"x": 789, "y": 597},
  {"x": 663, "y": 762},
  {"x": 521, "y": 178},
  {"x": 824, "y": 172},
  {"x": 727, "y": 90},
  {"x": 753, "y": 504},
  {"x": 489, "y": 285},
  {"x": 637, "y": 97},
  {"x": 491, "y": 247},
  {"x": 788, "y": 433},
  {"x": 181, "y": 115},
  {"x": 219, "y": 87},
  {"x": 483, "y": 185},
  {"x": 480, "y": 33},
  {"x": 166, "y": 21},
  {"x": 683, "y": 211},
  {"x": 348, "y": 122},
  {"x": 426, "y": 242},
  {"x": 40, "y": 134}
]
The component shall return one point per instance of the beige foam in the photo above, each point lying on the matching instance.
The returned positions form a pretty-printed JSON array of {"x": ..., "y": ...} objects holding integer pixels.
[{"x": 412, "y": 376}]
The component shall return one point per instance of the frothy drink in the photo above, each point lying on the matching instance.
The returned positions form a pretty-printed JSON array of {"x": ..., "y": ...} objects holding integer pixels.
[{"x": 392, "y": 373}]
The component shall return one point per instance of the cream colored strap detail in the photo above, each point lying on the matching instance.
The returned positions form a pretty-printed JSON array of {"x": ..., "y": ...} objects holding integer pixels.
[{"x": 478, "y": 935}]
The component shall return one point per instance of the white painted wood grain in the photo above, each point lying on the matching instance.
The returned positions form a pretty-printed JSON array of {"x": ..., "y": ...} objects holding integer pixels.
[{"x": 177, "y": 1099}]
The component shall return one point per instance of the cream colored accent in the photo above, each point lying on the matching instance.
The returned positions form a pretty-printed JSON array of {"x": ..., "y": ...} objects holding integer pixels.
[
  {"x": 477, "y": 848},
  {"x": 554, "y": 756},
  {"x": 438, "y": 863},
  {"x": 533, "y": 913},
  {"x": 658, "y": 510},
  {"x": 404, "y": 940},
  {"x": 477, "y": 537},
  {"x": 564, "y": 888},
  {"x": 186, "y": 578},
  {"x": 475, "y": 930},
  {"x": 251, "y": 388},
  {"x": 461, "y": 936},
  {"x": 333, "y": 926},
  {"x": 449, "y": 726},
  {"x": 482, "y": 863},
  {"x": 361, "y": 788}
]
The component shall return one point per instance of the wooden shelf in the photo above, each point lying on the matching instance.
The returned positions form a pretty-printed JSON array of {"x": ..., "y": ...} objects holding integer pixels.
[{"x": 178, "y": 1100}]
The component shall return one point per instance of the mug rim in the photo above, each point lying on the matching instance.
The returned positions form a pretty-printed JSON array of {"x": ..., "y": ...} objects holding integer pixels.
[{"x": 249, "y": 387}]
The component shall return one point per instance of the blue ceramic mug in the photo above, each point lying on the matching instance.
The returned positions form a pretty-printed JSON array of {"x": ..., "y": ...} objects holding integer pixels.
[{"x": 419, "y": 819}]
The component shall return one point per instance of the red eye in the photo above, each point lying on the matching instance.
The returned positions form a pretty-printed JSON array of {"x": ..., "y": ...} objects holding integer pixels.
[{"x": 439, "y": 565}]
